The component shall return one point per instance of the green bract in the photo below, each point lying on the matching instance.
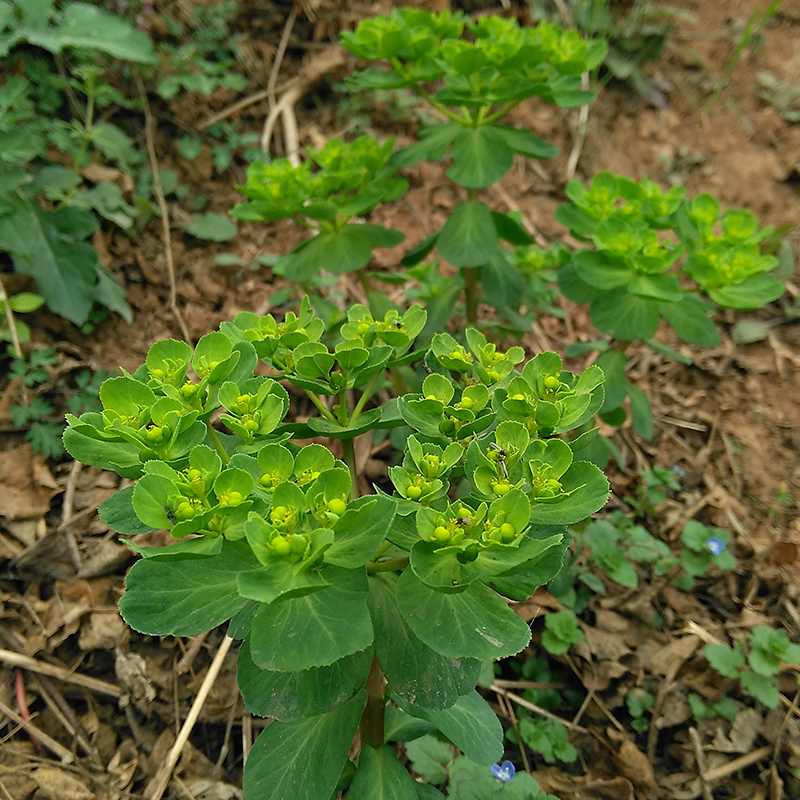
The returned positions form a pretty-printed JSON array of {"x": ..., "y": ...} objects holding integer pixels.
[{"x": 326, "y": 586}]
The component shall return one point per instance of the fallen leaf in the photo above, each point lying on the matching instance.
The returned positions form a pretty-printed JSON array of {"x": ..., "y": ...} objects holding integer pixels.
[{"x": 56, "y": 784}]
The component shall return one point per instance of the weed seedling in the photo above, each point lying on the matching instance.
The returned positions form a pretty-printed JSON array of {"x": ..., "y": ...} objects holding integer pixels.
[{"x": 757, "y": 664}]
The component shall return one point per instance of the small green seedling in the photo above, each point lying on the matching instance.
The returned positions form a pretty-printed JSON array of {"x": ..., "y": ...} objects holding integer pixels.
[
  {"x": 725, "y": 708},
  {"x": 548, "y": 737},
  {"x": 757, "y": 665},
  {"x": 639, "y": 701},
  {"x": 561, "y": 632}
]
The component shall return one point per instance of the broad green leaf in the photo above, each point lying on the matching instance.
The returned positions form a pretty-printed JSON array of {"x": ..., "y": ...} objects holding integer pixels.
[
  {"x": 280, "y": 579},
  {"x": 288, "y": 696},
  {"x": 433, "y": 142},
  {"x": 468, "y": 238},
  {"x": 315, "y": 630},
  {"x": 119, "y": 457},
  {"x": 417, "y": 673},
  {"x": 602, "y": 271},
  {"x": 480, "y": 157},
  {"x": 501, "y": 282},
  {"x": 183, "y": 597},
  {"x": 213, "y": 227},
  {"x": 84, "y": 25},
  {"x": 753, "y": 293},
  {"x": 117, "y": 512},
  {"x": 470, "y": 725},
  {"x": 429, "y": 758},
  {"x": 625, "y": 316},
  {"x": 302, "y": 760},
  {"x": 381, "y": 776},
  {"x": 198, "y": 546},
  {"x": 365, "y": 422},
  {"x": 525, "y": 143},
  {"x": 509, "y": 230},
  {"x": 64, "y": 268},
  {"x": 474, "y": 623},
  {"x": 690, "y": 319},
  {"x": 641, "y": 411}
]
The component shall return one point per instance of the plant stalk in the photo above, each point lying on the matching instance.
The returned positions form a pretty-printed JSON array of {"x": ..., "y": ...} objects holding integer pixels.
[
  {"x": 471, "y": 293},
  {"x": 372, "y": 720},
  {"x": 349, "y": 452},
  {"x": 217, "y": 442}
]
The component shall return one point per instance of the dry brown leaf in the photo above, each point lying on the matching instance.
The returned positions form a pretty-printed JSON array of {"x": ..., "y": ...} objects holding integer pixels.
[
  {"x": 56, "y": 784},
  {"x": 633, "y": 764},
  {"x": 103, "y": 631},
  {"x": 677, "y": 651},
  {"x": 26, "y": 485},
  {"x": 589, "y": 787}
]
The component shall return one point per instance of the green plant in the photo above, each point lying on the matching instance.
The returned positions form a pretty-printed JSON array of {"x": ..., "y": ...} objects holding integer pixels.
[
  {"x": 653, "y": 490},
  {"x": 725, "y": 708},
  {"x": 783, "y": 97},
  {"x": 12, "y": 330},
  {"x": 38, "y": 416},
  {"x": 768, "y": 653},
  {"x": 561, "y": 632},
  {"x": 46, "y": 211},
  {"x": 487, "y": 67},
  {"x": 548, "y": 737},
  {"x": 204, "y": 55},
  {"x": 349, "y": 180},
  {"x": 633, "y": 39},
  {"x": 329, "y": 590},
  {"x": 639, "y": 701},
  {"x": 628, "y": 276}
]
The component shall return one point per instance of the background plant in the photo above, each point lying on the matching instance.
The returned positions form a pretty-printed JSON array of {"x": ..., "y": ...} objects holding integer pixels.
[
  {"x": 472, "y": 73},
  {"x": 757, "y": 663},
  {"x": 47, "y": 212},
  {"x": 329, "y": 590}
]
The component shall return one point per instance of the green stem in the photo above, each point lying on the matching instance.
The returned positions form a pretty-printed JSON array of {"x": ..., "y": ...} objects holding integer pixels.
[
  {"x": 471, "y": 293},
  {"x": 398, "y": 68},
  {"x": 349, "y": 452},
  {"x": 387, "y": 566},
  {"x": 365, "y": 395},
  {"x": 471, "y": 278},
  {"x": 372, "y": 720},
  {"x": 321, "y": 407},
  {"x": 87, "y": 128},
  {"x": 217, "y": 442},
  {"x": 381, "y": 550},
  {"x": 363, "y": 279},
  {"x": 501, "y": 113}
]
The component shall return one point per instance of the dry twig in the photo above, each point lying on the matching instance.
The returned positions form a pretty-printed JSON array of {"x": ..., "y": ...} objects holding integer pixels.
[
  {"x": 166, "y": 234},
  {"x": 157, "y": 786}
]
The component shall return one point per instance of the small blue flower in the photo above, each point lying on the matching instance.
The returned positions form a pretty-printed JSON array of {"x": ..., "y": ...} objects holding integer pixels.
[
  {"x": 715, "y": 545},
  {"x": 504, "y": 772},
  {"x": 679, "y": 471}
]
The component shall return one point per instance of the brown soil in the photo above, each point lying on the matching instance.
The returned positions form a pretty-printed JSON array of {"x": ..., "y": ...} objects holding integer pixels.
[{"x": 731, "y": 421}]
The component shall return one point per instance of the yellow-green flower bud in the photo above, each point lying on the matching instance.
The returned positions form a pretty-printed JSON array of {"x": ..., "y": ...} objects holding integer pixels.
[
  {"x": 337, "y": 506},
  {"x": 281, "y": 545},
  {"x": 441, "y": 534},
  {"x": 551, "y": 382}
]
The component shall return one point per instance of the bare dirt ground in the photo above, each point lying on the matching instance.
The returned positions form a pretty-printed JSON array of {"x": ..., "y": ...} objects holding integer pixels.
[{"x": 108, "y": 702}]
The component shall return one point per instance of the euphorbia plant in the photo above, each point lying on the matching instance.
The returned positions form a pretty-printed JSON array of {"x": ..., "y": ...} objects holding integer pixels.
[
  {"x": 655, "y": 255},
  {"x": 472, "y": 73},
  {"x": 356, "y": 613}
]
